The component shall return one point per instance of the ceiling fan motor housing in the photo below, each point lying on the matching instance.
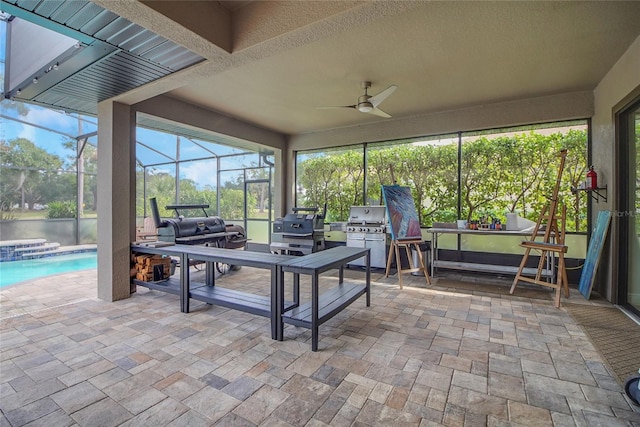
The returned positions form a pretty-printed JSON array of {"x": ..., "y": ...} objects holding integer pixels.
[{"x": 364, "y": 105}]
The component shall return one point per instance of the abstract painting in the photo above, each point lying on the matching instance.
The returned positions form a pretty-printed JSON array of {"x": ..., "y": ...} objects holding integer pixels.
[{"x": 401, "y": 211}]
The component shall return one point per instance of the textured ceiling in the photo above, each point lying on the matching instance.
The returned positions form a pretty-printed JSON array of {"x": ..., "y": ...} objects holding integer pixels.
[
  {"x": 292, "y": 57},
  {"x": 271, "y": 63}
]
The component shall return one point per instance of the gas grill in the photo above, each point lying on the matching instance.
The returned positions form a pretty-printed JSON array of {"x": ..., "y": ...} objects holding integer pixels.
[
  {"x": 205, "y": 230},
  {"x": 367, "y": 228},
  {"x": 299, "y": 233}
]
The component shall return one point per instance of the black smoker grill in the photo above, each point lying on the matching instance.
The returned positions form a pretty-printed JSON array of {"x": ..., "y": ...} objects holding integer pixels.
[
  {"x": 299, "y": 233},
  {"x": 206, "y": 230}
]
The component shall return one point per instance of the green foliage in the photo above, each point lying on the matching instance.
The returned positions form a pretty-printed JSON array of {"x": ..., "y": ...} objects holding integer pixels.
[
  {"x": 497, "y": 175},
  {"x": 336, "y": 179},
  {"x": 31, "y": 175},
  {"x": 232, "y": 203},
  {"x": 66, "y": 209}
]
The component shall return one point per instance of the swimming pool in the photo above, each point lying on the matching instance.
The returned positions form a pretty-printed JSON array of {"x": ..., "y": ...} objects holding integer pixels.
[{"x": 18, "y": 271}]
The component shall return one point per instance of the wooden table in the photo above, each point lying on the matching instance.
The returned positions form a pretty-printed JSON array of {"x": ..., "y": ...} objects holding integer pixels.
[{"x": 323, "y": 307}]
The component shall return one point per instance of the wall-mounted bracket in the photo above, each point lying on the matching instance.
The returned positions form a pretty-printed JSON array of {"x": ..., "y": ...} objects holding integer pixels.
[{"x": 597, "y": 194}]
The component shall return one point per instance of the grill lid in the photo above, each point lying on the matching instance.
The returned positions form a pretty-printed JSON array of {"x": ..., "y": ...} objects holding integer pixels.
[{"x": 367, "y": 215}]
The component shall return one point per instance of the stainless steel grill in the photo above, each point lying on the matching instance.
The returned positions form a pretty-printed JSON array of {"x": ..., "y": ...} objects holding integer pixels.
[
  {"x": 298, "y": 233},
  {"x": 367, "y": 228}
]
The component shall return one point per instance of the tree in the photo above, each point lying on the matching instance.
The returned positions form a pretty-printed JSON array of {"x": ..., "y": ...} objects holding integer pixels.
[
  {"x": 30, "y": 175},
  {"x": 232, "y": 206},
  {"x": 161, "y": 185},
  {"x": 260, "y": 192}
]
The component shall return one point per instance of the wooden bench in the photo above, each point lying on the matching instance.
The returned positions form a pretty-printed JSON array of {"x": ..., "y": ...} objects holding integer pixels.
[{"x": 323, "y": 307}]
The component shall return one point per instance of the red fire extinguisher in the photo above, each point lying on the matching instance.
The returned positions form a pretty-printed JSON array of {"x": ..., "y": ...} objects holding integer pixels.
[{"x": 592, "y": 179}]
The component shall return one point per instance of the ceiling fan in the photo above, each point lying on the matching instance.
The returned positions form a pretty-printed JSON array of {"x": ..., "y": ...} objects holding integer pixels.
[{"x": 369, "y": 104}]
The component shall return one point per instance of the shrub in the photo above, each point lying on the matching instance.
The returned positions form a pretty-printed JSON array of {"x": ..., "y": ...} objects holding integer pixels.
[{"x": 66, "y": 209}]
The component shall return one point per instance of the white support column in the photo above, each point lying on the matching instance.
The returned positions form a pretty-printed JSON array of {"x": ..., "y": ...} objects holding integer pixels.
[{"x": 116, "y": 198}]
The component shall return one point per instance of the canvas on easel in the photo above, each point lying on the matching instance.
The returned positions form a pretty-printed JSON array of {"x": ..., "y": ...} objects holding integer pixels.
[{"x": 405, "y": 229}]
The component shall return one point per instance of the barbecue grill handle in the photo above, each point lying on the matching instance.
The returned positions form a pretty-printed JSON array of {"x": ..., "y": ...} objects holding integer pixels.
[{"x": 296, "y": 210}]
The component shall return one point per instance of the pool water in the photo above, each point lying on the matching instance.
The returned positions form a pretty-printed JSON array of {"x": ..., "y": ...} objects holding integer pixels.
[{"x": 18, "y": 271}]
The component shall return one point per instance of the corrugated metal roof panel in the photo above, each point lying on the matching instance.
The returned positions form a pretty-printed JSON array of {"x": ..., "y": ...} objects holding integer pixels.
[
  {"x": 125, "y": 35},
  {"x": 47, "y": 8},
  {"x": 143, "y": 56},
  {"x": 64, "y": 101},
  {"x": 111, "y": 29},
  {"x": 181, "y": 60},
  {"x": 84, "y": 15},
  {"x": 97, "y": 22},
  {"x": 142, "y": 42},
  {"x": 67, "y": 10},
  {"x": 28, "y": 4}
]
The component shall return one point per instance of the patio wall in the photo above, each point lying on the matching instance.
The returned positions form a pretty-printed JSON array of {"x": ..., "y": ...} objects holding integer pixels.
[{"x": 53, "y": 230}]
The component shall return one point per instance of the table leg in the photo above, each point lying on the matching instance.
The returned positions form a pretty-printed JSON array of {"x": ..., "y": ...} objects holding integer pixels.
[
  {"x": 296, "y": 289},
  {"x": 341, "y": 274},
  {"x": 368, "y": 275},
  {"x": 210, "y": 273},
  {"x": 280, "y": 303},
  {"x": 184, "y": 283},
  {"x": 434, "y": 250},
  {"x": 314, "y": 312},
  {"x": 276, "y": 303}
]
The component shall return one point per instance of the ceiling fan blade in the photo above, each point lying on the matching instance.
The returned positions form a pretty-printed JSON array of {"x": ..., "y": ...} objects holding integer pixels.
[
  {"x": 378, "y": 112},
  {"x": 377, "y": 99},
  {"x": 336, "y": 107}
]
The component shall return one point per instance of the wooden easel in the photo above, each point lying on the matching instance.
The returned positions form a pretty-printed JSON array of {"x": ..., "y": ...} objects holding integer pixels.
[
  {"x": 407, "y": 244},
  {"x": 401, "y": 206},
  {"x": 548, "y": 247}
]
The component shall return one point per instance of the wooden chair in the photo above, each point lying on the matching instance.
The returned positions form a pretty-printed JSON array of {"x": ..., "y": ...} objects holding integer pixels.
[{"x": 147, "y": 231}]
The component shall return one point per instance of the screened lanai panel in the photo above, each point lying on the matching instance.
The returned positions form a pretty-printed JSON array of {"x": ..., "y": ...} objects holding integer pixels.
[
  {"x": 191, "y": 149},
  {"x": 231, "y": 195},
  {"x": 211, "y": 141},
  {"x": 197, "y": 184},
  {"x": 160, "y": 182},
  {"x": 427, "y": 165},
  {"x": 514, "y": 171},
  {"x": 331, "y": 176},
  {"x": 240, "y": 161},
  {"x": 148, "y": 156},
  {"x": 155, "y": 147}
]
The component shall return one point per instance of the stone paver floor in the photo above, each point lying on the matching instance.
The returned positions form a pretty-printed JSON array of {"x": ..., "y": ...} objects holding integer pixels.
[{"x": 420, "y": 356}]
